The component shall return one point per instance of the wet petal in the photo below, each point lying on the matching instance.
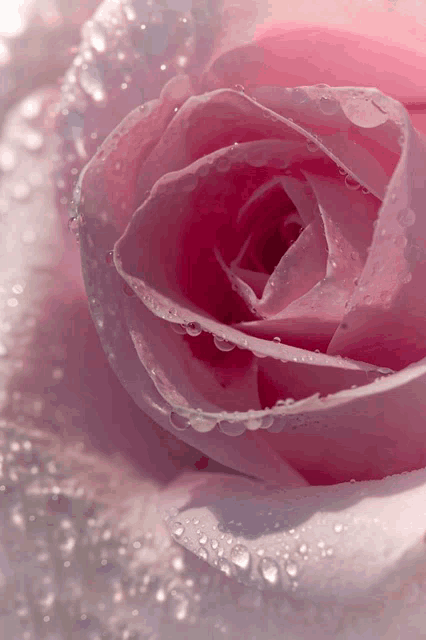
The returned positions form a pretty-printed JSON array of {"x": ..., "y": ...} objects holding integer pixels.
[
  {"x": 342, "y": 544},
  {"x": 385, "y": 320}
]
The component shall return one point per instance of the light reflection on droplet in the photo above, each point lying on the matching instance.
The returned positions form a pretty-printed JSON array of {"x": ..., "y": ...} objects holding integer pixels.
[
  {"x": 223, "y": 345},
  {"x": 231, "y": 428},
  {"x": 7, "y": 158}
]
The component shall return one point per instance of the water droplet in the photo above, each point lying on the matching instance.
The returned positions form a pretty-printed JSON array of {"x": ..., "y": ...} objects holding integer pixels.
[
  {"x": 240, "y": 556},
  {"x": 299, "y": 96},
  {"x": 202, "y": 553},
  {"x": 127, "y": 290},
  {"x": 312, "y": 146},
  {"x": 406, "y": 217},
  {"x": 351, "y": 184},
  {"x": 232, "y": 428},
  {"x": 160, "y": 595},
  {"x": 292, "y": 570},
  {"x": 225, "y": 567},
  {"x": 33, "y": 140},
  {"x": 269, "y": 571},
  {"x": 179, "y": 422},
  {"x": 178, "y": 328},
  {"x": 204, "y": 539},
  {"x": 365, "y": 191},
  {"x": 7, "y": 158},
  {"x": 329, "y": 105},
  {"x": 109, "y": 258},
  {"x": 303, "y": 549},
  {"x": 223, "y": 345},
  {"x": 202, "y": 424},
  {"x": 178, "y": 529},
  {"x": 338, "y": 528},
  {"x": 91, "y": 83},
  {"x": 239, "y": 87},
  {"x": 21, "y": 190},
  {"x": 97, "y": 37},
  {"x": 30, "y": 108},
  {"x": 214, "y": 544},
  {"x": 277, "y": 339},
  {"x": 193, "y": 329}
]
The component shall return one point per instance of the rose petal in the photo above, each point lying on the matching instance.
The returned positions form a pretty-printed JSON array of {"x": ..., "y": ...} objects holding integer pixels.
[
  {"x": 338, "y": 544},
  {"x": 291, "y": 54},
  {"x": 386, "y": 302},
  {"x": 127, "y": 55}
]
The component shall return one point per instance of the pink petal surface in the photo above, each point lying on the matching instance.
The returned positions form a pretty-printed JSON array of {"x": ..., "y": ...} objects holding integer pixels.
[
  {"x": 335, "y": 464},
  {"x": 387, "y": 529},
  {"x": 336, "y": 545}
]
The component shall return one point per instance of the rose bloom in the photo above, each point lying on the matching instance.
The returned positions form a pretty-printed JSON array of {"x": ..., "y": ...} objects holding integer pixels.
[{"x": 231, "y": 441}]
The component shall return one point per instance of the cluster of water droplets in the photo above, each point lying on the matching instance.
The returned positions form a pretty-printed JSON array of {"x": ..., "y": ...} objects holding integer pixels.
[{"x": 277, "y": 565}]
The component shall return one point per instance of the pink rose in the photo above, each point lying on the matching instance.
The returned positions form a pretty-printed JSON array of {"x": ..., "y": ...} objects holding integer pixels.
[
  {"x": 281, "y": 227},
  {"x": 342, "y": 561}
]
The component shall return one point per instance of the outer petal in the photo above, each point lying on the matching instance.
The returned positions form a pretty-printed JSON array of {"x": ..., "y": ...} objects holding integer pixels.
[{"x": 344, "y": 544}]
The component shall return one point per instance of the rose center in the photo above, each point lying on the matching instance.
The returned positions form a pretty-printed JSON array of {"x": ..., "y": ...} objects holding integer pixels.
[{"x": 280, "y": 240}]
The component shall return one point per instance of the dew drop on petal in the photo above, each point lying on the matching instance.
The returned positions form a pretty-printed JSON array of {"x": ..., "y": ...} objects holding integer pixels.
[
  {"x": 223, "y": 345},
  {"x": 97, "y": 37},
  {"x": 178, "y": 529},
  {"x": 193, "y": 329},
  {"x": 30, "y": 108},
  {"x": 127, "y": 290},
  {"x": 21, "y": 190},
  {"x": 292, "y": 570},
  {"x": 225, "y": 567},
  {"x": 351, "y": 184},
  {"x": 33, "y": 140},
  {"x": 202, "y": 553},
  {"x": 240, "y": 556},
  {"x": 406, "y": 217},
  {"x": 109, "y": 258},
  {"x": 269, "y": 571},
  {"x": 7, "y": 158},
  {"x": 312, "y": 146},
  {"x": 180, "y": 423},
  {"x": 232, "y": 428},
  {"x": 178, "y": 328},
  {"x": 202, "y": 424},
  {"x": 329, "y": 105}
]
